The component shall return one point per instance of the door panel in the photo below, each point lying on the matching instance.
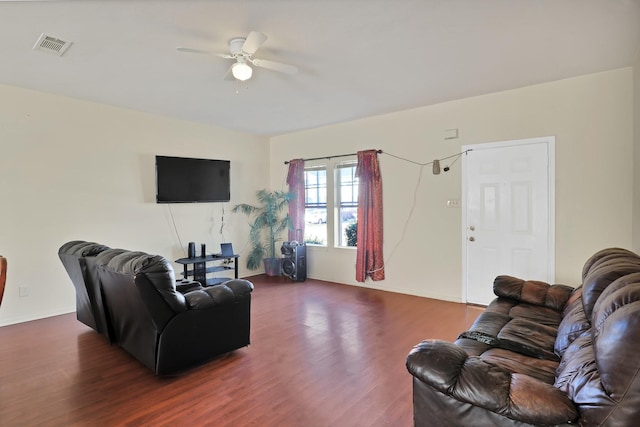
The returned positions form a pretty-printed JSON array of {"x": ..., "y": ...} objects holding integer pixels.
[{"x": 507, "y": 215}]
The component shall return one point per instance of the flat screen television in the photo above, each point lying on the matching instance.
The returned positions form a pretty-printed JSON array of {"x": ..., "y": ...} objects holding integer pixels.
[{"x": 189, "y": 180}]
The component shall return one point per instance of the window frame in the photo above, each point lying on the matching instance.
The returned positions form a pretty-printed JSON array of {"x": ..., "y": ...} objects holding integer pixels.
[
  {"x": 339, "y": 204},
  {"x": 317, "y": 205},
  {"x": 333, "y": 203}
]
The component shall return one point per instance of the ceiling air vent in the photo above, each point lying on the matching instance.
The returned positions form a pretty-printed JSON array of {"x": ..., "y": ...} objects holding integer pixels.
[{"x": 51, "y": 44}]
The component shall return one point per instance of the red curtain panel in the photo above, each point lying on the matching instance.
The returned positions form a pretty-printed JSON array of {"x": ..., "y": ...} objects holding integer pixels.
[
  {"x": 369, "y": 257},
  {"x": 3, "y": 275}
]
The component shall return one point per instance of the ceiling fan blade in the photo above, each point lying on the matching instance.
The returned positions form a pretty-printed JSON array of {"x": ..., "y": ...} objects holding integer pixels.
[
  {"x": 190, "y": 50},
  {"x": 206, "y": 52},
  {"x": 275, "y": 66},
  {"x": 253, "y": 42}
]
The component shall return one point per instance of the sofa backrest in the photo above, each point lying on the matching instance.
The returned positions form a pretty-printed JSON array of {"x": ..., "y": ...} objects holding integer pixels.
[
  {"x": 74, "y": 256},
  {"x": 601, "y": 275},
  {"x": 600, "y": 367},
  {"x": 605, "y": 254},
  {"x": 138, "y": 310},
  {"x": 157, "y": 292}
]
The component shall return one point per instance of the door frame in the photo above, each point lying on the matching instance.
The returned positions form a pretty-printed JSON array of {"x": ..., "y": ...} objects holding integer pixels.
[{"x": 551, "y": 186}]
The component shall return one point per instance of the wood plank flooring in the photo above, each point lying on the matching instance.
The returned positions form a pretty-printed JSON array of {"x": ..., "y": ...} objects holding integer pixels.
[{"x": 322, "y": 354}]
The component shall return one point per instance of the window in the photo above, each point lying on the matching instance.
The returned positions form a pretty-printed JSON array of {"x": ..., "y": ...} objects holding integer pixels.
[
  {"x": 347, "y": 203},
  {"x": 331, "y": 204},
  {"x": 315, "y": 205}
]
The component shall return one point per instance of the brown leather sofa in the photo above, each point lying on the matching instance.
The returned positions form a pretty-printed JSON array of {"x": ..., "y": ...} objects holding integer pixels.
[
  {"x": 168, "y": 327},
  {"x": 541, "y": 355}
]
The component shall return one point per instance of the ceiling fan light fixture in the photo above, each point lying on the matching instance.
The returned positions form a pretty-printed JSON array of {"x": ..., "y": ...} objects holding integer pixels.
[{"x": 241, "y": 71}]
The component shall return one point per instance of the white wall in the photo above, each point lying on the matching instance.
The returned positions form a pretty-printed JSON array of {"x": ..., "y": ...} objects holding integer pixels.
[
  {"x": 76, "y": 170},
  {"x": 591, "y": 118}
]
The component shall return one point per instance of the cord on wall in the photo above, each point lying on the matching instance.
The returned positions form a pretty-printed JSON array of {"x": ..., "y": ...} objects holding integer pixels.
[
  {"x": 222, "y": 225},
  {"x": 446, "y": 168},
  {"x": 436, "y": 167},
  {"x": 175, "y": 228}
]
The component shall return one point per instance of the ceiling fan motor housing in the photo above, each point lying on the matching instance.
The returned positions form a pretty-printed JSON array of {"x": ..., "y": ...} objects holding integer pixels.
[{"x": 235, "y": 45}]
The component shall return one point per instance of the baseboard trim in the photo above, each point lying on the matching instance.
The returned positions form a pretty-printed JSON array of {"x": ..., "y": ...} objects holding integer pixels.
[{"x": 16, "y": 320}]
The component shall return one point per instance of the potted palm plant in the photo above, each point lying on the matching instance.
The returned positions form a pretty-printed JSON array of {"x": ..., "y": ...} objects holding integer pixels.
[{"x": 270, "y": 220}]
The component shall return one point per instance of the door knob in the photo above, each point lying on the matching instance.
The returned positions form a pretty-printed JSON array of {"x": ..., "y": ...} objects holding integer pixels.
[{"x": 472, "y": 239}]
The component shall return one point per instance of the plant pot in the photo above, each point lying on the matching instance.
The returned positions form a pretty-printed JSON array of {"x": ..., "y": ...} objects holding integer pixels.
[{"x": 272, "y": 266}]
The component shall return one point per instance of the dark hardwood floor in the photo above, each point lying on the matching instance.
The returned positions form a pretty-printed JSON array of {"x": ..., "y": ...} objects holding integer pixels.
[{"x": 322, "y": 354}]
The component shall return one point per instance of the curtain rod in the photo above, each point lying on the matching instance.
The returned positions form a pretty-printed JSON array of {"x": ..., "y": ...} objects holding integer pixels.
[{"x": 286, "y": 162}]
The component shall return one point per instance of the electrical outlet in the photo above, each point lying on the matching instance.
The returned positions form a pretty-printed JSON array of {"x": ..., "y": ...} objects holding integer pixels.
[{"x": 24, "y": 291}]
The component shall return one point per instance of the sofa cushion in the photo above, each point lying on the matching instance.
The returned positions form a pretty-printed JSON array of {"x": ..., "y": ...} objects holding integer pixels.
[
  {"x": 532, "y": 291},
  {"x": 540, "y": 369},
  {"x": 539, "y": 338},
  {"x": 515, "y": 309},
  {"x": 490, "y": 322},
  {"x": 536, "y": 313},
  {"x": 517, "y": 346},
  {"x": 573, "y": 324},
  {"x": 577, "y": 363}
]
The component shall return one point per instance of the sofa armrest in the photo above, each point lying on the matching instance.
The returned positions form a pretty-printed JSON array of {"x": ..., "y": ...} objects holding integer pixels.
[
  {"x": 532, "y": 292},
  {"x": 240, "y": 287},
  {"x": 224, "y": 293},
  {"x": 448, "y": 369}
]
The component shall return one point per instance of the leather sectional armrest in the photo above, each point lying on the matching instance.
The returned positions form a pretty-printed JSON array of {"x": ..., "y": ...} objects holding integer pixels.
[
  {"x": 224, "y": 293},
  {"x": 447, "y": 368},
  {"x": 240, "y": 287}
]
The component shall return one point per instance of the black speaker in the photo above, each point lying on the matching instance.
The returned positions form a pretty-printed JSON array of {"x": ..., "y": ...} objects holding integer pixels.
[{"x": 294, "y": 264}]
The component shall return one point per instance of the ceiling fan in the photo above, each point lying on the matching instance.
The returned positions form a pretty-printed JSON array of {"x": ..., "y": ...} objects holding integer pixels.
[{"x": 241, "y": 50}]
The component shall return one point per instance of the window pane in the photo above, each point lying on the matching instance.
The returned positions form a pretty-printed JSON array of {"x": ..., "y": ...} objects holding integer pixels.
[
  {"x": 315, "y": 206},
  {"x": 347, "y": 187},
  {"x": 315, "y": 229},
  {"x": 348, "y": 226},
  {"x": 315, "y": 187}
]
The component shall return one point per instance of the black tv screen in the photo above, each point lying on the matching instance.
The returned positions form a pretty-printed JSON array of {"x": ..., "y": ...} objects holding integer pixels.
[{"x": 188, "y": 180}]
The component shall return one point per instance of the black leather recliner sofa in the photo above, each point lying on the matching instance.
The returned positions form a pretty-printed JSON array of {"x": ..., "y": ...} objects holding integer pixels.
[
  {"x": 541, "y": 355},
  {"x": 168, "y": 327}
]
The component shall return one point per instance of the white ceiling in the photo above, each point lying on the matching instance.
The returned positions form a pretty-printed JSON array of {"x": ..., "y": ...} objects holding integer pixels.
[{"x": 357, "y": 58}]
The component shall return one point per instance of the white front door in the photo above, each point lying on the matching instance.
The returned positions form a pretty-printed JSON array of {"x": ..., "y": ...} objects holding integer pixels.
[{"x": 508, "y": 215}]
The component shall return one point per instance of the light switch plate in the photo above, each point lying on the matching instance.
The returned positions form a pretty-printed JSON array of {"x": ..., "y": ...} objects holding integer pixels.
[{"x": 453, "y": 203}]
